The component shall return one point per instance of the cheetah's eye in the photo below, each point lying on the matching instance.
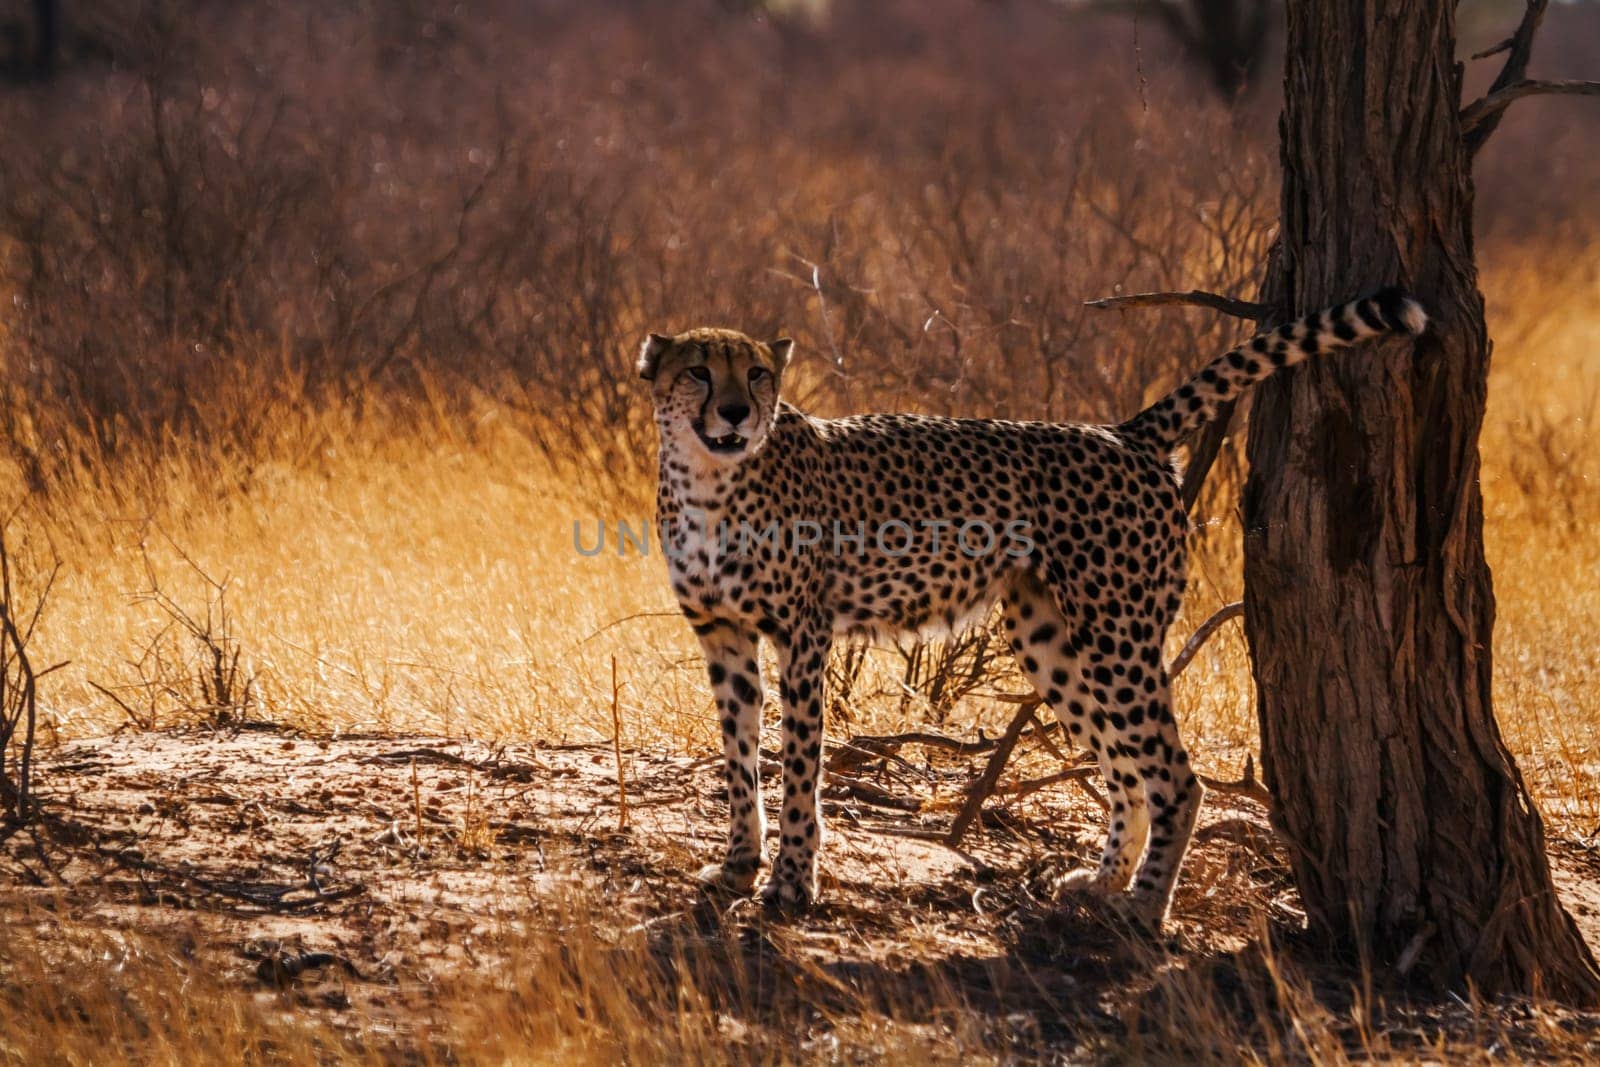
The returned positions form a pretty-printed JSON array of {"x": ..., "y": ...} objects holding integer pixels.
[
  {"x": 758, "y": 373},
  {"x": 700, "y": 374}
]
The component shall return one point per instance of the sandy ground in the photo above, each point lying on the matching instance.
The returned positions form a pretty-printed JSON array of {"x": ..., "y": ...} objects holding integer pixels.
[{"x": 378, "y": 864}]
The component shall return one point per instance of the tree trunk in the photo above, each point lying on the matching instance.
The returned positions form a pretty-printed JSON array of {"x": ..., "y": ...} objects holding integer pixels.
[{"x": 1368, "y": 602}]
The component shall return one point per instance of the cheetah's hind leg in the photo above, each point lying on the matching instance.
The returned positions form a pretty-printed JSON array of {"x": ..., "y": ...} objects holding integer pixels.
[{"x": 1045, "y": 647}]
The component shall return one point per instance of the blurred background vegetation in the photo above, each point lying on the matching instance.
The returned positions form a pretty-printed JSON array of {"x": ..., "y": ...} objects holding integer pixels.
[{"x": 338, "y": 302}]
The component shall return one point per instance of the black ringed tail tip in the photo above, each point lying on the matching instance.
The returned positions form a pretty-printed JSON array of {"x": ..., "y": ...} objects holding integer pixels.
[{"x": 1194, "y": 403}]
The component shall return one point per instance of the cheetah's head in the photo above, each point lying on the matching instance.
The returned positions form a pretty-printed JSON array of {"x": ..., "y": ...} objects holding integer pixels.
[{"x": 715, "y": 391}]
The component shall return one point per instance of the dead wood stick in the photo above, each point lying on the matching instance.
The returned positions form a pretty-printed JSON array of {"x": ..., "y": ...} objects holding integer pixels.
[
  {"x": 1519, "y": 52},
  {"x": 872, "y": 794},
  {"x": 1488, "y": 108},
  {"x": 928, "y": 739},
  {"x": 1044, "y": 739},
  {"x": 1191, "y": 648},
  {"x": 1239, "y": 309},
  {"x": 427, "y": 755},
  {"x": 991, "y": 773},
  {"x": 864, "y": 747},
  {"x": 1244, "y": 832},
  {"x": 1033, "y": 785},
  {"x": 1495, "y": 49},
  {"x": 846, "y": 758},
  {"x": 267, "y": 897},
  {"x": 1246, "y": 786}
]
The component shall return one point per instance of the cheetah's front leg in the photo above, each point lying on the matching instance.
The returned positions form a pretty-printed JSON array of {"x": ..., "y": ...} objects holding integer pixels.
[
  {"x": 735, "y": 671},
  {"x": 803, "y": 660}
]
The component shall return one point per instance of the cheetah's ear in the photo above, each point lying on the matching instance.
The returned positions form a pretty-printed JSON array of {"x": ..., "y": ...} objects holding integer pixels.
[
  {"x": 780, "y": 352},
  {"x": 650, "y": 355}
]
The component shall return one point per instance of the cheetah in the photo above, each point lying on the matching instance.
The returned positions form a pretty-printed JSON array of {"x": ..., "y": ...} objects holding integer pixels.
[{"x": 780, "y": 525}]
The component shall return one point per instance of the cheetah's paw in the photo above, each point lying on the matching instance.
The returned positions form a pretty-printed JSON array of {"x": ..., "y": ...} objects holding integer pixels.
[
  {"x": 1146, "y": 912},
  {"x": 787, "y": 896},
  {"x": 1087, "y": 883},
  {"x": 736, "y": 878}
]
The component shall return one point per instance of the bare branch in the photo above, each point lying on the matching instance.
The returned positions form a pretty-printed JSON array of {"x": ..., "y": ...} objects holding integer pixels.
[
  {"x": 1479, "y": 118},
  {"x": 1239, "y": 309},
  {"x": 1081, "y": 775},
  {"x": 1519, "y": 49},
  {"x": 1495, "y": 50},
  {"x": 1192, "y": 647}
]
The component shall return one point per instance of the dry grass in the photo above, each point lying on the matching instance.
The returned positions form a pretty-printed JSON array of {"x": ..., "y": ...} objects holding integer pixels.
[{"x": 337, "y": 378}]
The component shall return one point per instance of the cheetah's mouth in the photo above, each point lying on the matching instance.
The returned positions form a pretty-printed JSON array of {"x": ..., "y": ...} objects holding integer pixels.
[{"x": 727, "y": 444}]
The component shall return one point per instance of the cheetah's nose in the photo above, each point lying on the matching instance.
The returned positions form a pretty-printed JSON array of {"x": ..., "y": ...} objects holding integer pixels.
[{"x": 734, "y": 414}]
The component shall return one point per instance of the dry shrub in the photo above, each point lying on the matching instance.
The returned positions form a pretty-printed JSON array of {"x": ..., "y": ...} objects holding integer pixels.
[
  {"x": 212, "y": 234},
  {"x": 19, "y": 676}
]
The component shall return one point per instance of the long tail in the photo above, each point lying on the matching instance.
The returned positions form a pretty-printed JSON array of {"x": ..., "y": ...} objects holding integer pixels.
[{"x": 1191, "y": 405}]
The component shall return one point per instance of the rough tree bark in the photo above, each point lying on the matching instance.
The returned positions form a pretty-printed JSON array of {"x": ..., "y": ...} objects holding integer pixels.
[{"x": 1368, "y": 602}]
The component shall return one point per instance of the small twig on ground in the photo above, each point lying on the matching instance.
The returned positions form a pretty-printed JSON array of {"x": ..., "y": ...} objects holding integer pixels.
[
  {"x": 261, "y": 895},
  {"x": 928, "y": 739},
  {"x": 1246, "y": 832},
  {"x": 426, "y": 755},
  {"x": 847, "y": 758},
  {"x": 873, "y": 794},
  {"x": 1080, "y": 775},
  {"x": 416, "y": 800},
  {"x": 1246, "y": 786},
  {"x": 494, "y": 768},
  {"x": 280, "y": 969},
  {"x": 1024, "y": 788},
  {"x": 862, "y": 748},
  {"x": 1050, "y": 746}
]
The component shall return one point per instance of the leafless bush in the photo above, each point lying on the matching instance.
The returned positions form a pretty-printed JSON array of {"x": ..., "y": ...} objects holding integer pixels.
[
  {"x": 19, "y": 691},
  {"x": 931, "y": 676},
  {"x": 226, "y": 225},
  {"x": 193, "y": 664},
  {"x": 939, "y": 673}
]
